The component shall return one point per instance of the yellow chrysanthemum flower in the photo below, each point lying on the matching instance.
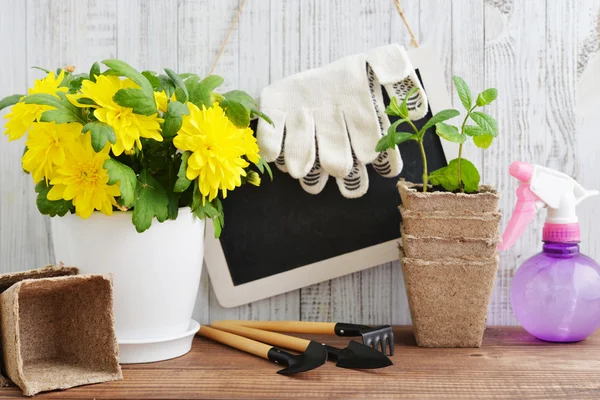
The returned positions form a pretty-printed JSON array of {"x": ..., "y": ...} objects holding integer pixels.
[
  {"x": 22, "y": 115},
  {"x": 128, "y": 127},
  {"x": 47, "y": 144},
  {"x": 161, "y": 100},
  {"x": 83, "y": 179},
  {"x": 218, "y": 148}
]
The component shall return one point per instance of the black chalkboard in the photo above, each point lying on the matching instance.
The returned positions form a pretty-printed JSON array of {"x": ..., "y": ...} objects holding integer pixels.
[{"x": 278, "y": 226}]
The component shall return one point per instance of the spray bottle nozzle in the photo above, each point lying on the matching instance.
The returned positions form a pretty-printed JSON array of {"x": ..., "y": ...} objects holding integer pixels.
[{"x": 543, "y": 187}]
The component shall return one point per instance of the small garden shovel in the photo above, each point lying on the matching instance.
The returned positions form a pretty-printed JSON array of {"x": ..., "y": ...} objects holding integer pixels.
[
  {"x": 355, "y": 355},
  {"x": 313, "y": 356}
]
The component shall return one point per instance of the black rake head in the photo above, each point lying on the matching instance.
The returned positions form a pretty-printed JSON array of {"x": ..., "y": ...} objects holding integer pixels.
[{"x": 378, "y": 337}]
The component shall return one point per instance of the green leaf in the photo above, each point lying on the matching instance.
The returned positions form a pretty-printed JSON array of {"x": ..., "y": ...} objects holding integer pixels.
[
  {"x": 264, "y": 166},
  {"x": 486, "y": 97},
  {"x": 385, "y": 143},
  {"x": 473, "y": 130},
  {"x": 209, "y": 209},
  {"x": 404, "y": 106},
  {"x": 76, "y": 81},
  {"x": 447, "y": 177},
  {"x": 47, "y": 207},
  {"x": 173, "y": 205},
  {"x": 151, "y": 200},
  {"x": 439, "y": 117},
  {"x": 58, "y": 116},
  {"x": 401, "y": 137},
  {"x": 483, "y": 141},
  {"x": 186, "y": 75},
  {"x": 254, "y": 112},
  {"x": 212, "y": 82},
  {"x": 486, "y": 122},
  {"x": 153, "y": 79},
  {"x": 137, "y": 100},
  {"x": 464, "y": 93},
  {"x": 182, "y": 182},
  {"x": 394, "y": 109},
  {"x": 167, "y": 85},
  {"x": 241, "y": 97},
  {"x": 86, "y": 101},
  {"x": 10, "y": 101},
  {"x": 119, "y": 172},
  {"x": 174, "y": 118},
  {"x": 183, "y": 95},
  {"x": 94, "y": 71},
  {"x": 236, "y": 112},
  {"x": 200, "y": 91},
  {"x": 124, "y": 69},
  {"x": 449, "y": 132},
  {"x": 61, "y": 104},
  {"x": 44, "y": 99},
  {"x": 101, "y": 133}
]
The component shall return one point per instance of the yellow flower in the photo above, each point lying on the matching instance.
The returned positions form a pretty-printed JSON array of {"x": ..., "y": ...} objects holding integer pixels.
[
  {"x": 47, "y": 144},
  {"x": 83, "y": 179},
  {"x": 22, "y": 115},
  {"x": 218, "y": 149},
  {"x": 161, "y": 100},
  {"x": 128, "y": 127}
]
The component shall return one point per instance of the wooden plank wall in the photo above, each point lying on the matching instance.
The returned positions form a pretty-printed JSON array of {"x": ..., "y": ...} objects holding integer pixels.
[{"x": 533, "y": 51}]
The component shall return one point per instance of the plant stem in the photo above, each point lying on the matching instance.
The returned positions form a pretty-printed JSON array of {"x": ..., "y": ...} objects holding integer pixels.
[
  {"x": 425, "y": 174},
  {"x": 423, "y": 156},
  {"x": 460, "y": 148}
]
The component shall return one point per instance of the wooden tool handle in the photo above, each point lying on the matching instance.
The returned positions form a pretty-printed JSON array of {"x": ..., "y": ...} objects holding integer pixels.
[
  {"x": 275, "y": 339},
  {"x": 235, "y": 341},
  {"x": 322, "y": 328}
]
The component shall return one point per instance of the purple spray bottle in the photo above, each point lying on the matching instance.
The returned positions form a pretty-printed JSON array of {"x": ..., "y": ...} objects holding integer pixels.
[{"x": 555, "y": 294}]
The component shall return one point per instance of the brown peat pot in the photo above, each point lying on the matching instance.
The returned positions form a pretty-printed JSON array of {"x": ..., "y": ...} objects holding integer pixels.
[{"x": 449, "y": 261}]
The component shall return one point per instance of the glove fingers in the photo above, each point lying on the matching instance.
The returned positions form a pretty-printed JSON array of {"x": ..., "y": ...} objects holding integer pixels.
[
  {"x": 270, "y": 137},
  {"x": 388, "y": 163},
  {"x": 417, "y": 103},
  {"x": 356, "y": 183},
  {"x": 317, "y": 178},
  {"x": 364, "y": 132},
  {"x": 299, "y": 150},
  {"x": 280, "y": 160},
  {"x": 334, "y": 152},
  {"x": 395, "y": 71}
]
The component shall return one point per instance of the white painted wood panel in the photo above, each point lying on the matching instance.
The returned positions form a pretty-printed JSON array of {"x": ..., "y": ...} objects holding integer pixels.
[{"x": 533, "y": 51}]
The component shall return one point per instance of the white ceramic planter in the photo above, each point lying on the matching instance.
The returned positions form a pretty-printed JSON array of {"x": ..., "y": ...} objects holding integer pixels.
[{"x": 156, "y": 276}]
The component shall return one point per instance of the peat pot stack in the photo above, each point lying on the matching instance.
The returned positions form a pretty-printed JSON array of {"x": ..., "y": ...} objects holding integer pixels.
[{"x": 449, "y": 261}]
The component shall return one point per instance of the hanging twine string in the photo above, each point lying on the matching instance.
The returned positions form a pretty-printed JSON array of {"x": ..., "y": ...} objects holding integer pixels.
[
  {"x": 233, "y": 24},
  {"x": 413, "y": 39}
]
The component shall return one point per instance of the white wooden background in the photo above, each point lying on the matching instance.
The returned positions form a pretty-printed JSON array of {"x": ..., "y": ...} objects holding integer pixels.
[{"x": 533, "y": 51}]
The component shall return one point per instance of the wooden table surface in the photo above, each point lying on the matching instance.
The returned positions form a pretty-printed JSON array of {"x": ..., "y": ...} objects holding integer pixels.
[{"x": 510, "y": 365}]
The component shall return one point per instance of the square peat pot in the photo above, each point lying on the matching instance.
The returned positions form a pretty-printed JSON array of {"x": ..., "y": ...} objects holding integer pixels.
[{"x": 59, "y": 332}]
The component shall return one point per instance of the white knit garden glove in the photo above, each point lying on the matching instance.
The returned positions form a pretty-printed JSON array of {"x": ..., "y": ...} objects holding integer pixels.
[{"x": 328, "y": 120}]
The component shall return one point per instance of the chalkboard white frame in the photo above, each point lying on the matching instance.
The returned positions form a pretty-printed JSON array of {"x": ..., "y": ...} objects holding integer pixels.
[{"x": 229, "y": 295}]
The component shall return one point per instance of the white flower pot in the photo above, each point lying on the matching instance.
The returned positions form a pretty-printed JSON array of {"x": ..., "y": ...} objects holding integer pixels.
[{"x": 156, "y": 276}]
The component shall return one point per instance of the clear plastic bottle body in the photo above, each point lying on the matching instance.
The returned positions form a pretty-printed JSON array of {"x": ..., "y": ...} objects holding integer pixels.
[{"x": 555, "y": 294}]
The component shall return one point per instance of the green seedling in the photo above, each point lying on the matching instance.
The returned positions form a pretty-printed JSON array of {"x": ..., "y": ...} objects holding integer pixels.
[{"x": 460, "y": 175}]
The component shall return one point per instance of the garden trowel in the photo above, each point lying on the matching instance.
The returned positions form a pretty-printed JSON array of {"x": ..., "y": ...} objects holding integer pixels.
[{"x": 313, "y": 356}]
